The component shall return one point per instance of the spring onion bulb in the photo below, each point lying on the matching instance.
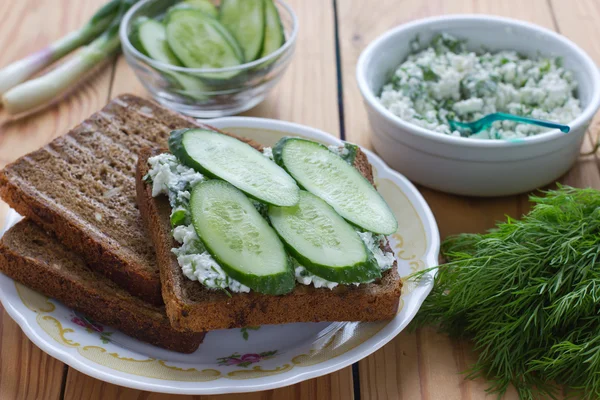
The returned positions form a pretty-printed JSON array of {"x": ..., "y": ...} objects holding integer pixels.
[
  {"x": 36, "y": 92},
  {"x": 39, "y": 91},
  {"x": 19, "y": 71}
]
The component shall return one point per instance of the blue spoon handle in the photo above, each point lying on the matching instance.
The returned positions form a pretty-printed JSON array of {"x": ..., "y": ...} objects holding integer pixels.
[{"x": 533, "y": 121}]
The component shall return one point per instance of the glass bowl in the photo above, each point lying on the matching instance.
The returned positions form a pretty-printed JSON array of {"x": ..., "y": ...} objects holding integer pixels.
[{"x": 207, "y": 92}]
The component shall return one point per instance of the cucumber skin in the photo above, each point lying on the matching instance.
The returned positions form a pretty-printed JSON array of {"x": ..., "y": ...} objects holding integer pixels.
[
  {"x": 360, "y": 272},
  {"x": 352, "y": 151},
  {"x": 277, "y": 284},
  {"x": 278, "y": 158},
  {"x": 278, "y": 150},
  {"x": 357, "y": 273},
  {"x": 365, "y": 271},
  {"x": 178, "y": 149},
  {"x": 269, "y": 6},
  {"x": 134, "y": 37},
  {"x": 262, "y": 39}
]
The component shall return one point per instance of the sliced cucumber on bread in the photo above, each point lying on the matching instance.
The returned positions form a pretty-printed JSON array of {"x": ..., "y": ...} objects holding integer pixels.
[
  {"x": 224, "y": 157},
  {"x": 328, "y": 176},
  {"x": 245, "y": 19},
  {"x": 323, "y": 242},
  {"x": 239, "y": 238}
]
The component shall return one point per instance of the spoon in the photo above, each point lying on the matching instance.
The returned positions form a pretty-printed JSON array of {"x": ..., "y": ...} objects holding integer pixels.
[{"x": 485, "y": 122}]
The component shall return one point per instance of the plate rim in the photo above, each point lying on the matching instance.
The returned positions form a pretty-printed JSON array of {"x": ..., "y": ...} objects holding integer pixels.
[{"x": 363, "y": 350}]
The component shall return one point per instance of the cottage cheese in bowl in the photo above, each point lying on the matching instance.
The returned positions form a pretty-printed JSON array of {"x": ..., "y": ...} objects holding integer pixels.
[
  {"x": 444, "y": 80},
  {"x": 466, "y": 66}
]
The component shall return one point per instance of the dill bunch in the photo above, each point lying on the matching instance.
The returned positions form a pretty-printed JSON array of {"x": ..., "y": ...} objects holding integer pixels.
[{"x": 527, "y": 293}]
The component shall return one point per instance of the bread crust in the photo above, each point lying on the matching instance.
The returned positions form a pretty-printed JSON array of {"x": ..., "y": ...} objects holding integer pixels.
[
  {"x": 38, "y": 261},
  {"x": 191, "y": 306}
]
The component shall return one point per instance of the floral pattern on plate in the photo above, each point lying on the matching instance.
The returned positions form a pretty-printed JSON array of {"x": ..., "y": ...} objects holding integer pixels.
[{"x": 247, "y": 359}]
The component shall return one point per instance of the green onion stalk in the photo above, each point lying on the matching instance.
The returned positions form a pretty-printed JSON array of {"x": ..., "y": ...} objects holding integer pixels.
[
  {"x": 19, "y": 71},
  {"x": 36, "y": 92}
]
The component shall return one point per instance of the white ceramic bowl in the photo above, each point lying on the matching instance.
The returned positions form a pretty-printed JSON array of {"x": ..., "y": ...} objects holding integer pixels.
[{"x": 466, "y": 166}]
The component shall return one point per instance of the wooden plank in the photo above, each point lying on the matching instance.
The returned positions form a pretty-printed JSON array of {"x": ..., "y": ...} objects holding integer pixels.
[
  {"x": 578, "y": 20},
  {"x": 25, "y": 371},
  {"x": 333, "y": 386},
  {"x": 425, "y": 364},
  {"x": 306, "y": 94}
]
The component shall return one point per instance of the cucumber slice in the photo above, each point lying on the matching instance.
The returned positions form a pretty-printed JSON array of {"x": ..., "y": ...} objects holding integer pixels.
[
  {"x": 218, "y": 26},
  {"x": 328, "y": 176},
  {"x": 274, "y": 33},
  {"x": 323, "y": 242},
  {"x": 198, "y": 41},
  {"x": 245, "y": 19},
  {"x": 206, "y": 6},
  {"x": 152, "y": 41},
  {"x": 239, "y": 238},
  {"x": 236, "y": 162}
]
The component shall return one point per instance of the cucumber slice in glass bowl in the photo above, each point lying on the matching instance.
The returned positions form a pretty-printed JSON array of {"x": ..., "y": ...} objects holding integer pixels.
[
  {"x": 245, "y": 19},
  {"x": 151, "y": 39},
  {"x": 206, "y": 6},
  {"x": 328, "y": 176},
  {"x": 239, "y": 238},
  {"x": 199, "y": 41},
  {"x": 274, "y": 34},
  {"x": 323, "y": 242},
  {"x": 224, "y": 157}
]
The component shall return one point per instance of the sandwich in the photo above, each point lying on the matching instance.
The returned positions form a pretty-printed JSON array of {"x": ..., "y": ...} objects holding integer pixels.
[
  {"x": 239, "y": 243},
  {"x": 85, "y": 241}
]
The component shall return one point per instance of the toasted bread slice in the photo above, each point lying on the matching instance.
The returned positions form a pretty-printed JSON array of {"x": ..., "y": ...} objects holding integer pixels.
[
  {"x": 30, "y": 256},
  {"x": 81, "y": 187},
  {"x": 192, "y": 306}
]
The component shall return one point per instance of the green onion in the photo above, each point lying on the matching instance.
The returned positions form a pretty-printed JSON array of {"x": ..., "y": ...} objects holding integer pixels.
[
  {"x": 21, "y": 70},
  {"x": 36, "y": 92}
]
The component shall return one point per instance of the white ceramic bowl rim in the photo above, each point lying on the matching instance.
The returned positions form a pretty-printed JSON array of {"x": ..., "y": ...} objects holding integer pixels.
[
  {"x": 161, "y": 65},
  {"x": 370, "y": 97}
]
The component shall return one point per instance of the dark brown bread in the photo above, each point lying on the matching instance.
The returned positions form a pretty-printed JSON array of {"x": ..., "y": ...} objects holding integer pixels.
[
  {"x": 38, "y": 261},
  {"x": 191, "y": 306},
  {"x": 81, "y": 187}
]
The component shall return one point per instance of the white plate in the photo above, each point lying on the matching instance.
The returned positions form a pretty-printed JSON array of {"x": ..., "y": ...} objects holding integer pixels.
[{"x": 237, "y": 360}]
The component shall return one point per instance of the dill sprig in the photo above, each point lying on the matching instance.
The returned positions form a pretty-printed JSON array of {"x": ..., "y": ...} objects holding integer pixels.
[{"x": 527, "y": 293}]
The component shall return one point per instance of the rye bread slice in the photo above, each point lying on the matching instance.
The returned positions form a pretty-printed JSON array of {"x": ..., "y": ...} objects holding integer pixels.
[
  {"x": 81, "y": 187},
  {"x": 192, "y": 306},
  {"x": 30, "y": 256}
]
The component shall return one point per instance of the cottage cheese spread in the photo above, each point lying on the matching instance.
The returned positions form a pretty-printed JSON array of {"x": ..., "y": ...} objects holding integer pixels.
[
  {"x": 175, "y": 180},
  {"x": 268, "y": 152},
  {"x": 198, "y": 265},
  {"x": 445, "y": 81},
  {"x": 341, "y": 151}
]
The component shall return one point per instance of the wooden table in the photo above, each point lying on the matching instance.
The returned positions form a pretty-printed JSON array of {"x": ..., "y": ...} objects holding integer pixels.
[{"x": 319, "y": 90}]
